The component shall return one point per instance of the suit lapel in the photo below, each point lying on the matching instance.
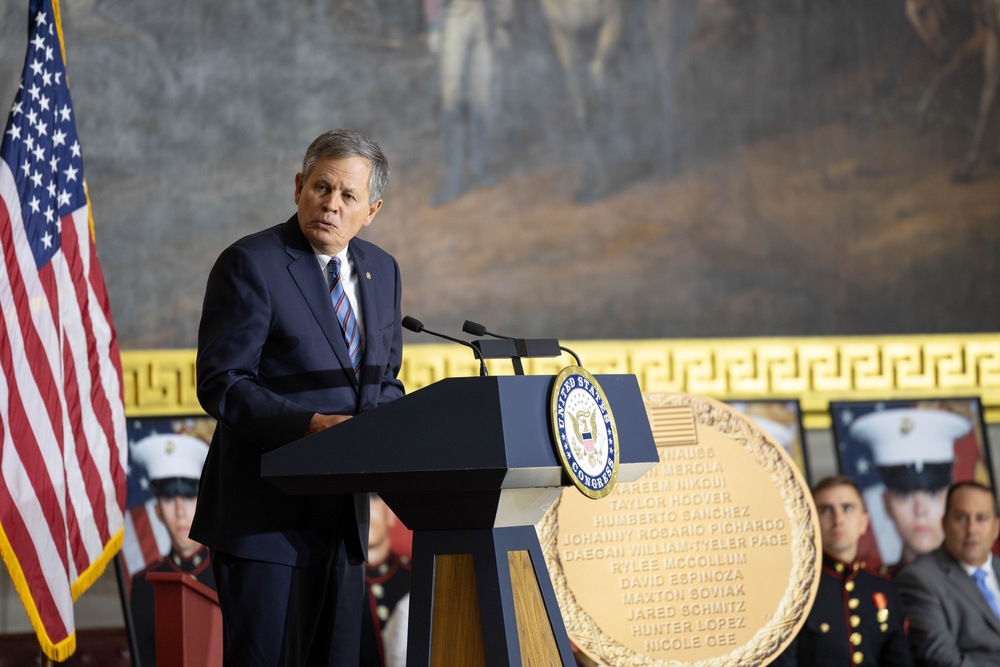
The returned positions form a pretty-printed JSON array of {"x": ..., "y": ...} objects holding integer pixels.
[
  {"x": 966, "y": 586},
  {"x": 308, "y": 277},
  {"x": 369, "y": 307}
]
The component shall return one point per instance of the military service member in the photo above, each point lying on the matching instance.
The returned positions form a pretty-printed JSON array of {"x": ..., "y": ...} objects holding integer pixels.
[
  {"x": 914, "y": 451},
  {"x": 173, "y": 463},
  {"x": 387, "y": 578},
  {"x": 856, "y": 618}
]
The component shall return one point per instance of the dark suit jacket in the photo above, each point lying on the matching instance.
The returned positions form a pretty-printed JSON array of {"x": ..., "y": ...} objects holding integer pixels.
[
  {"x": 270, "y": 355},
  {"x": 856, "y": 619},
  {"x": 950, "y": 621}
]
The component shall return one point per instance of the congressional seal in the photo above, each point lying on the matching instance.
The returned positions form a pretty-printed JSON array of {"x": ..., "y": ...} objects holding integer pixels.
[
  {"x": 584, "y": 432},
  {"x": 711, "y": 558}
]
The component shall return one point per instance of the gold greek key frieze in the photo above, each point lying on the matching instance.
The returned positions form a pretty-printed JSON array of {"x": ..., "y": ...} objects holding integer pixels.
[
  {"x": 813, "y": 370},
  {"x": 159, "y": 383}
]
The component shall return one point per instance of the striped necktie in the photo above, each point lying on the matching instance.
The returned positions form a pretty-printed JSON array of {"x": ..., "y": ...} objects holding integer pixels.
[
  {"x": 980, "y": 577},
  {"x": 345, "y": 314}
]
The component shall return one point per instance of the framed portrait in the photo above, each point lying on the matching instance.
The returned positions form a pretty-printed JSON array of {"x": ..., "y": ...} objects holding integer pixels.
[
  {"x": 782, "y": 420},
  {"x": 146, "y": 538},
  {"x": 903, "y": 456},
  {"x": 165, "y": 459}
]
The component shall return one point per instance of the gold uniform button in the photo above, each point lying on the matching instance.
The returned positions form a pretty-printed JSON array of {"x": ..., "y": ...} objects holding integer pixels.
[
  {"x": 840, "y": 567},
  {"x": 882, "y": 615},
  {"x": 378, "y": 591},
  {"x": 855, "y": 621},
  {"x": 824, "y": 627},
  {"x": 859, "y": 657},
  {"x": 853, "y": 603},
  {"x": 849, "y": 586},
  {"x": 884, "y": 627},
  {"x": 856, "y": 638}
]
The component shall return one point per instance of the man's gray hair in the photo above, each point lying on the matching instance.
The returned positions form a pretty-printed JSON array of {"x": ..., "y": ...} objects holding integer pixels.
[{"x": 343, "y": 143}]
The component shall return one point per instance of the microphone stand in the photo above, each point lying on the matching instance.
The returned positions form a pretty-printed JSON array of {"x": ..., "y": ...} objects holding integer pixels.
[
  {"x": 417, "y": 326},
  {"x": 515, "y": 348}
]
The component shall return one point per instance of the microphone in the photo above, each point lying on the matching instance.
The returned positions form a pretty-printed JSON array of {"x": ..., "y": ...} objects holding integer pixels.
[
  {"x": 477, "y": 329},
  {"x": 416, "y": 326},
  {"x": 541, "y": 346}
]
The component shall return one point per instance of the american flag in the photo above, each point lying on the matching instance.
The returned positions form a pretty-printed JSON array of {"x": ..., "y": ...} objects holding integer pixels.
[{"x": 62, "y": 417}]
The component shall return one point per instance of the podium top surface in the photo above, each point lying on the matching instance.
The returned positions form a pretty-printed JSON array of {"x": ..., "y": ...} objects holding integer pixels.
[
  {"x": 472, "y": 433},
  {"x": 183, "y": 581}
]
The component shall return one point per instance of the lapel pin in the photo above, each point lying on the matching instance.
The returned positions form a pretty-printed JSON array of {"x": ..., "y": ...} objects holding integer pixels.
[{"x": 368, "y": 275}]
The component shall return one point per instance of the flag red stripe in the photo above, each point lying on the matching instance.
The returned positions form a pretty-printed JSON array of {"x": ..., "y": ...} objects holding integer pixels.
[
  {"x": 28, "y": 453},
  {"x": 17, "y": 533},
  {"x": 47, "y": 278},
  {"x": 78, "y": 547},
  {"x": 101, "y": 295},
  {"x": 34, "y": 350},
  {"x": 88, "y": 467},
  {"x": 25, "y": 444}
]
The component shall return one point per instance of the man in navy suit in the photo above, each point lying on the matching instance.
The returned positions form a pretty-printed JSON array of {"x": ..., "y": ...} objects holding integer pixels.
[
  {"x": 274, "y": 366},
  {"x": 951, "y": 594}
]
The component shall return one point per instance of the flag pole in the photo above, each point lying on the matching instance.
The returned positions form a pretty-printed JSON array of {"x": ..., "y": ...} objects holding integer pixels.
[{"x": 133, "y": 644}]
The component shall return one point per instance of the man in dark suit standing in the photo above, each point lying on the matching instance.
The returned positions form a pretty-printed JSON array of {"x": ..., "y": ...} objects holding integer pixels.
[
  {"x": 300, "y": 331},
  {"x": 951, "y": 594}
]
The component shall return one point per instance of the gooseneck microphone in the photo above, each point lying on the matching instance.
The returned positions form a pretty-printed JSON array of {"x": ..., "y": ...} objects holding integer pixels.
[
  {"x": 477, "y": 329},
  {"x": 416, "y": 326}
]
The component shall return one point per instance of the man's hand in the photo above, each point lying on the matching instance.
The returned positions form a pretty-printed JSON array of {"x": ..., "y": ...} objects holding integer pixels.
[{"x": 321, "y": 422}]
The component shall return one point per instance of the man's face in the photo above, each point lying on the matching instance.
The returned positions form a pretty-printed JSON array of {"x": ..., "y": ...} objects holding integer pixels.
[
  {"x": 842, "y": 521},
  {"x": 970, "y": 526},
  {"x": 176, "y": 513},
  {"x": 333, "y": 202},
  {"x": 381, "y": 519},
  {"x": 917, "y": 516}
]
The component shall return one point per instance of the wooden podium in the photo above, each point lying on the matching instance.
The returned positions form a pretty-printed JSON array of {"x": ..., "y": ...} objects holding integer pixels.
[
  {"x": 188, "y": 621},
  {"x": 469, "y": 465}
]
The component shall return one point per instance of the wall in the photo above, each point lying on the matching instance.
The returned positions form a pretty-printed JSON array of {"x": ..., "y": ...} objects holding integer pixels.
[{"x": 740, "y": 170}]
